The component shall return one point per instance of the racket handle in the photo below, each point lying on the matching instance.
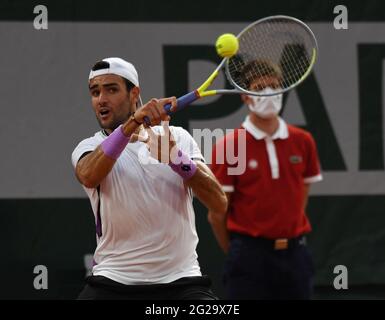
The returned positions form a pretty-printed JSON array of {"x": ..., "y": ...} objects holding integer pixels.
[
  {"x": 147, "y": 120},
  {"x": 182, "y": 102}
]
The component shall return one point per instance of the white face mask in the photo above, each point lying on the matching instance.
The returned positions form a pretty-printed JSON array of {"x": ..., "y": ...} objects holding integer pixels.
[{"x": 266, "y": 106}]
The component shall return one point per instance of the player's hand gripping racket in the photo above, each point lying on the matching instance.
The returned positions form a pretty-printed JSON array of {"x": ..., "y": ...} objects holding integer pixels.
[{"x": 283, "y": 43}]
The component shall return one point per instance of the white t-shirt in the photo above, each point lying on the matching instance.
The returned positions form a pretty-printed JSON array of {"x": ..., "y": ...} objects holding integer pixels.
[{"x": 147, "y": 216}]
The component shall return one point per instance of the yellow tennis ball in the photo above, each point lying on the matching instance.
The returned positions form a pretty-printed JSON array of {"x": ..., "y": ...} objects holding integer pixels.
[{"x": 227, "y": 45}]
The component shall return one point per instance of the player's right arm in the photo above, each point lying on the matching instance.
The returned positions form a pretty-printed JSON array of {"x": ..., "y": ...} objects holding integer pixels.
[
  {"x": 92, "y": 168},
  {"x": 219, "y": 226}
]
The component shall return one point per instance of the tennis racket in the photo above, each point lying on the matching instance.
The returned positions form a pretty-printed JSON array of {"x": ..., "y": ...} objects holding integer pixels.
[{"x": 281, "y": 43}]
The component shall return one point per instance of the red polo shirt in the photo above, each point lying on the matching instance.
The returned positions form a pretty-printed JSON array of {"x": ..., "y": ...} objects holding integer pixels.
[{"x": 267, "y": 198}]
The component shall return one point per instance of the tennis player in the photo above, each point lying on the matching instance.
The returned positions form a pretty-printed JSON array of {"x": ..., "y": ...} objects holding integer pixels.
[
  {"x": 145, "y": 225},
  {"x": 264, "y": 229}
]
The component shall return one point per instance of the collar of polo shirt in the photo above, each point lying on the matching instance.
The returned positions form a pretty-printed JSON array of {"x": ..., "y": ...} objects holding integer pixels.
[{"x": 281, "y": 133}]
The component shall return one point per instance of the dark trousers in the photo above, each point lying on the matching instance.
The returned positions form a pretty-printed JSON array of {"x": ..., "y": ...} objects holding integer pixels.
[
  {"x": 188, "y": 288},
  {"x": 254, "y": 269}
]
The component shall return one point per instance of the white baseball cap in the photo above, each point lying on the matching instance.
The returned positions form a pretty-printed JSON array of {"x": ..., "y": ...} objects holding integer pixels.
[{"x": 119, "y": 67}]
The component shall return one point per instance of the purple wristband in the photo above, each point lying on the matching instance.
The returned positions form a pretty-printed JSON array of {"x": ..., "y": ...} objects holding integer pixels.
[
  {"x": 115, "y": 143},
  {"x": 183, "y": 165}
]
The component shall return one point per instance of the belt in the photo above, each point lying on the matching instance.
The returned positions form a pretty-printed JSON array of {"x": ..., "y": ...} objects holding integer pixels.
[{"x": 276, "y": 244}]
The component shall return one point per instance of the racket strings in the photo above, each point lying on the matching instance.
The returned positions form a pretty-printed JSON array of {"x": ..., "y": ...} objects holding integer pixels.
[
  {"x": 282, "y": 53},
  {"x": 278, "y": 47}
]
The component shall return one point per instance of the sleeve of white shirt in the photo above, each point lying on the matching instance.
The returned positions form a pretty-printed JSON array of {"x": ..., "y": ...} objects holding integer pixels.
[
  {"x": 187, "y": 144},
  {"x": 87, "y": 145}
]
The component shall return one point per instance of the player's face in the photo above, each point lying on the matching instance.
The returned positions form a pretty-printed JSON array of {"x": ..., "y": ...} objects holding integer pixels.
[{"x": 111, "y": 101}]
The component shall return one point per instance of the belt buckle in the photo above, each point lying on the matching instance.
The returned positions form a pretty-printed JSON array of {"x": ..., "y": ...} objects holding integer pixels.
[{"x": 281, "y": 244}]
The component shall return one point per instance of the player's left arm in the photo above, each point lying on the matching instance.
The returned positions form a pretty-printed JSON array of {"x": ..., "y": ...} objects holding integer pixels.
[
  {"x": 203, "y": 182},
  {"x": 207, "y": 188}
]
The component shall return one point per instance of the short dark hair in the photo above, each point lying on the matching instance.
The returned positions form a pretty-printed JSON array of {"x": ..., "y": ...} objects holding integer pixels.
[
  {"x": 260, "y": 68},
  {"x": 129, "y": 84},
  {"x": 100, "y": 65}
]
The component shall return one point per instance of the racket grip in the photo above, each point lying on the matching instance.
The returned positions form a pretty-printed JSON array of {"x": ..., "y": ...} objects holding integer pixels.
[
  {"x": 183, "y": 101},
  {"x": 147, "y": 121}
]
